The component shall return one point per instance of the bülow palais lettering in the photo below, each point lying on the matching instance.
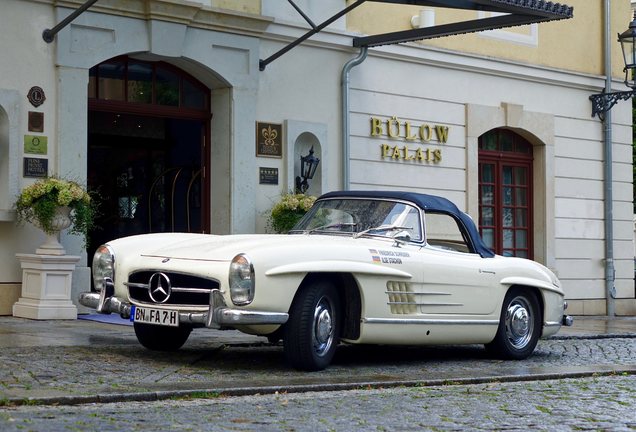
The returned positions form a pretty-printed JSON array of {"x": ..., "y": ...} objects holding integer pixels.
[{"x": 395, "y": 129}]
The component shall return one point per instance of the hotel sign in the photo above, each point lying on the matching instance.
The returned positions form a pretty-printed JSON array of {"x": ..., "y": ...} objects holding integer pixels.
[
  {"x": 413, "y": 137},
  {"x": 35, "y": 167},
  {"x": 269, "y": 140}
]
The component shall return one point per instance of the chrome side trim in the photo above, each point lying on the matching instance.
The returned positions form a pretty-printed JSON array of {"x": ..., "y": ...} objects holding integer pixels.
[
  {"x": 424, "y": 304},
  {"x": 428, "y": 321},
  {"x": 417, "y": 293}
]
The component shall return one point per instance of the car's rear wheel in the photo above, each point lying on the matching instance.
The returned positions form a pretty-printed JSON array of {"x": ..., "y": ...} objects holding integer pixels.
[
  {"x": 313, "y": 329},
  {"x": 519, "y": 326},
  {"x": 161, "y": 338}
]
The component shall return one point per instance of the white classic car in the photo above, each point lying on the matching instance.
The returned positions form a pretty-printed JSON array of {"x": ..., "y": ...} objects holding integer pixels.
[{"x": 361, "y": 267}]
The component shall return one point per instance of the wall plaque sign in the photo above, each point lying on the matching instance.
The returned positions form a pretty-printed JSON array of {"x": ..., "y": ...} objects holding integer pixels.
[
  {"x": 36, "y": 167},
  {"x": 35, "y": 144},
  {"x": 36, "y": 121},
  {"x": 269, "y": 140},
  {"x": 36, "y": 96},
  {"x": 268, "y": 176}
]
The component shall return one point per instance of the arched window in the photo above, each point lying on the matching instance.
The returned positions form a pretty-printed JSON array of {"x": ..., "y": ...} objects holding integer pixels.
[
  {"x": 505, "y": 193},
  {"x": 154, "y": 85}
]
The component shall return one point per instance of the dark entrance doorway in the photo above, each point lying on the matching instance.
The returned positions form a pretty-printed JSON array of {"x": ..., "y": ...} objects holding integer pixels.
[{"x": 147, "y": 133}]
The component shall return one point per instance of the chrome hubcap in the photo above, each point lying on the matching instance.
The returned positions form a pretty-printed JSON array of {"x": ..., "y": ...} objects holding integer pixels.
[
  {"x": 519, "y": 323},
  {"x": 323, "y": 326}
]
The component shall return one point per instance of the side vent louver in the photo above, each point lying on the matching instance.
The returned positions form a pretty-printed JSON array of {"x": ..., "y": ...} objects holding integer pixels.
[{"x": 401, "y": 298}]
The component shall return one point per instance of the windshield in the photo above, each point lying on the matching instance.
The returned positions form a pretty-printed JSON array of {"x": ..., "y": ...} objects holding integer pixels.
[{"x": 377, "y": 217}]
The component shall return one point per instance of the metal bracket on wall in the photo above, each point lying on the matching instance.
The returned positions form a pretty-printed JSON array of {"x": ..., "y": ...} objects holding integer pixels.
[
  {"x": 603, "y": 102},
  {"x": 49, "y": 34}
]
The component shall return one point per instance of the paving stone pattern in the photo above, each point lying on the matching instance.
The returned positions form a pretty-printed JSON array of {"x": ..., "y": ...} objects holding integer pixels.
[
  {"x": 605, "y": 403},
  {"x": 127, "y": 368}
]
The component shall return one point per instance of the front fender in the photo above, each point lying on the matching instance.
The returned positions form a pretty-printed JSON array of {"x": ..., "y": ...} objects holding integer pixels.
[
  {"x": 526, "y": 281},
  {"x": 334, "y": 266}
]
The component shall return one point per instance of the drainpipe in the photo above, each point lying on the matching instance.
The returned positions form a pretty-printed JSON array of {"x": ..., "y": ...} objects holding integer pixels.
[
  {"x": 345, "y": 113},
  {"x": 610, "y": 289}
]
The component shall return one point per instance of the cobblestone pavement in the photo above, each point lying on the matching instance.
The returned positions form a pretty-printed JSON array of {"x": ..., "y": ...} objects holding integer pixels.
[
  {"x": 95, "y": 376},
  {"x": 78, "y": 362},
  {"x": 606, "y": 403}
]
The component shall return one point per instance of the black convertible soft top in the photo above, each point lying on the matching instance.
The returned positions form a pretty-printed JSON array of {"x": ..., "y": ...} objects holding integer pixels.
[{"x": 428, "y": 203}]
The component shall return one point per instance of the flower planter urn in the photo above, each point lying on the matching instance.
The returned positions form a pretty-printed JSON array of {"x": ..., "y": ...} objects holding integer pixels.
[{"x": 60, "y": 221}]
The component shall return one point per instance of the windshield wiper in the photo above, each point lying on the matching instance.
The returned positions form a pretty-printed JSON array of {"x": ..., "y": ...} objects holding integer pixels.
[
  {"x": 382, "y": 228},
  {"x": 334, "y": 225}
]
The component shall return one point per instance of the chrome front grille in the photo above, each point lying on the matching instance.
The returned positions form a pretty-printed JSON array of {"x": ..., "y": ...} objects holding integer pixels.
[{"x": 185, "y": 290}]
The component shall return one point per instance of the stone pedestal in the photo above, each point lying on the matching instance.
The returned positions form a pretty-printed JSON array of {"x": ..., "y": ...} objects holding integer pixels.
[{"x": 46, "y": 287}]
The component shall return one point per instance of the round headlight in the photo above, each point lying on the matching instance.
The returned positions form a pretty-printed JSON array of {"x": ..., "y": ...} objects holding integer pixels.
[
  {"x": 241, "y": 280},
  {"x": 103, "y": 267}
]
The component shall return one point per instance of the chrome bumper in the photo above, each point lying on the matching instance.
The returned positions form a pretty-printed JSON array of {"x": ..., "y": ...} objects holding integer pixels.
[{"x": 217, "y": 316}]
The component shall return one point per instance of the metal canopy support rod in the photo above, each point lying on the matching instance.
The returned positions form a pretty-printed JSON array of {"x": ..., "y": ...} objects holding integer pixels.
[
  {"x": 302, "y": 14},
  {"x": 49, "y": 34},
  {"x": 263, "y": 63}
]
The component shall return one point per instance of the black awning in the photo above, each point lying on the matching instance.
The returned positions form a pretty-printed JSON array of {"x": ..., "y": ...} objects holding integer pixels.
[
  {"x": 509, "y": 6},
  {"x": 516, "y": 12}
]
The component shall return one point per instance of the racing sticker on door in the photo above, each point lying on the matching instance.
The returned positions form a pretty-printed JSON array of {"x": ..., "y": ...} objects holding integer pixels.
[{"x": 380, "y": 256}]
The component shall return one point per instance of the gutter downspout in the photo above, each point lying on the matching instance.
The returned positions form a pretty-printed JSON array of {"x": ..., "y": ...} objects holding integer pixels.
[
  {"x": 345, "y": 113},
  {"x": 610, "y": 289}
]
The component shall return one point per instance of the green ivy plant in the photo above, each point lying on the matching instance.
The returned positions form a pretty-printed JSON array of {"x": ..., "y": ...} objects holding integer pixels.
[
  {"x": 288, "y": 211},
  {"x": 37, "y": 204}
]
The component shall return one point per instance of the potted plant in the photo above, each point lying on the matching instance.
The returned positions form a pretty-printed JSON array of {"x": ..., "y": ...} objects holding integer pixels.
[
  {"x": 47, "y": 202},
  {"x": 289, "y": 210}
]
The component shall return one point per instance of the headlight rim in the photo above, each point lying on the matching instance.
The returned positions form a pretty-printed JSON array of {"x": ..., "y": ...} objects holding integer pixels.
[
  {"x": 241, "y": 295},
  {"x": 98, "y": 269}
]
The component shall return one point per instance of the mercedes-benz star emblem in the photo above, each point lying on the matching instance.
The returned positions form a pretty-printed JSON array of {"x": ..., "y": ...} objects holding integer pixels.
[{"x": 159, "y": 287}]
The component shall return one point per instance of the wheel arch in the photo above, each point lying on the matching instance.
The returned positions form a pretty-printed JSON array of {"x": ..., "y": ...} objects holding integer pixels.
[
  {"x": 350, "y": 298},
  {"x": 537, "y": 292}
]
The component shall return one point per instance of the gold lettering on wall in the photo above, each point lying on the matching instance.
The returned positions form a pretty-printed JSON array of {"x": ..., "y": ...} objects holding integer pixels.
[{"x": 395, "y": 129}]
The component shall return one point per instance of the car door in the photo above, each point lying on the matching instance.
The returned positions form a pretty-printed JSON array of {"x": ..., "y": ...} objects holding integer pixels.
[{"x": 455, "y": 279}]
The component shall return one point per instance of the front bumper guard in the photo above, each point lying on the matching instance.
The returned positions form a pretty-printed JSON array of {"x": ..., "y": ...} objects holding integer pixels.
[{"x": 217, "y": 316}]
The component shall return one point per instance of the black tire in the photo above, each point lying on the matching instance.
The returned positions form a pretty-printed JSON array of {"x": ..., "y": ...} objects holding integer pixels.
[
  {"x": 519, "y": 326},
  {"x": 313, "y": 331},
  {"x": 161, "y": 338}
]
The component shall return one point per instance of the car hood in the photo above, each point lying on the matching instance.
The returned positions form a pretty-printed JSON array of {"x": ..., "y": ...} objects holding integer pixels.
[{"x": 221, "y": 247}]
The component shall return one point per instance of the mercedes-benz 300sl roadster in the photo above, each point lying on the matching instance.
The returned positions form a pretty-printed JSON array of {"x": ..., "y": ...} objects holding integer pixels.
[{"x": 361, "y": 267}]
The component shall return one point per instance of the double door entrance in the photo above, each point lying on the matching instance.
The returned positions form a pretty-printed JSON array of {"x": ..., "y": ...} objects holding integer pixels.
[
  {"x": 147, "y": 150},
  {"x": 505, "y": 193}
]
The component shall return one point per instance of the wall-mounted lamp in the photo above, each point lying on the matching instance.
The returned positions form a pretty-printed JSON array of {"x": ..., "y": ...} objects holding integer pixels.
[
  {"x": 308, "y": 165},
  {"x": 602, "y": 103}
]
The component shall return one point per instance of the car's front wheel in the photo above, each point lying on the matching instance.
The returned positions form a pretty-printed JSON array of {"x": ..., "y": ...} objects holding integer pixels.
[
  {"x": 313, "y": 329},
  {"x": 161, "y": 338},
  {"x": 519, "y": 326}
]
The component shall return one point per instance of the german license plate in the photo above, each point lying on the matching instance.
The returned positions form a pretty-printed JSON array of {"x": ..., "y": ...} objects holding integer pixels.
[{"x": 148, "y": 315}]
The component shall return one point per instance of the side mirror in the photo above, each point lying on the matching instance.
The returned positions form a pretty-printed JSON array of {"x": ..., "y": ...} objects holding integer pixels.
[{"x": 402, "y": 237}]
